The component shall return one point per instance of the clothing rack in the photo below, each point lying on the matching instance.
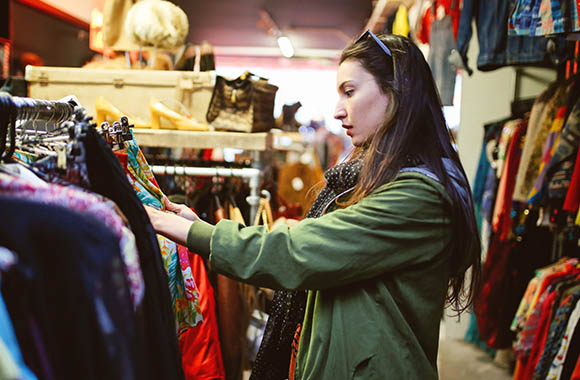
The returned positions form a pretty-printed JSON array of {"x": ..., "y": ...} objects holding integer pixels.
[
  {"x": 252, "y": 174},
  {"x": 14, "y": 108},
  {"x": 48, "y": 110}
]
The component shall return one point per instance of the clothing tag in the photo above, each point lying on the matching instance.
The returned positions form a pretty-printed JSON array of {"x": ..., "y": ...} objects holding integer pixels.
[{"x": 60, "y": 157}]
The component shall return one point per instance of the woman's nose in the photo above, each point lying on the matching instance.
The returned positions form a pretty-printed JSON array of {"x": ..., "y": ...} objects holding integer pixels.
[{"x": 339, "y": 111}]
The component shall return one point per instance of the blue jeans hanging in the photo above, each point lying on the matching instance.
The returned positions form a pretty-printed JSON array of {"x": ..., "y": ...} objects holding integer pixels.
[{"x": 441, "y": 44}]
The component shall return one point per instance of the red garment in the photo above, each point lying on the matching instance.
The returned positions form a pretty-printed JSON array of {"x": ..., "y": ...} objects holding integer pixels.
[
  {"x": 502, "y": 220},
  {"x": 576, "y": 373},
  {"x": 541, "y": 337},
  {"x": 572, "y": 201},
  {"x": 424, "y": 34},
  {"x": 494, "y": 270},
  {"x": 200, "y": 345}
]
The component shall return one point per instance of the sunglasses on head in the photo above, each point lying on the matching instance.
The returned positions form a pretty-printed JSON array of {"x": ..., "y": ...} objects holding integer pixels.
[{"x": 377, "y": 40}]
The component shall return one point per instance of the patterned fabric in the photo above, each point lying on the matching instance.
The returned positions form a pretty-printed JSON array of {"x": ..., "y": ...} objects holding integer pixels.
[
  {"x": 563, "y": 157},
  {"x": 519, "y": 21},
  {"x": 83, "y": 202},
  {"x": 542, "y": 17},
  {"x": 143, "y": 180},
  {"x": 572, "y": 201},
  {"x": 552, "y": 140},
  {"x": 555, "y": 335},
  {"x": 574, "y": 22},
  {"x": 525, "y": 303},
  {"x": 540, "y": 333},
  {"x": 529, "y": 313},
  {"x": 184, "y": 293},
  {"x": 558, "y": 363},
  {"x": 533, "y": 146},
  {"x": 287, "y": 310},
  {"x": 503, "y": 145},
  {"x": 537, "y": 115}
]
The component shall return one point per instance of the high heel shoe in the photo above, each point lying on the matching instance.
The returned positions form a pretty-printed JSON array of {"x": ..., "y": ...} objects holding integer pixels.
[
  {"x": 108, "y": 112},
  {"x": 178, "y": 121}
]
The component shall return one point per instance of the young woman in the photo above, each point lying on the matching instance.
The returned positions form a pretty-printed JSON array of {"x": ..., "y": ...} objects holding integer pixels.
[{"x": 394, "y": 237}]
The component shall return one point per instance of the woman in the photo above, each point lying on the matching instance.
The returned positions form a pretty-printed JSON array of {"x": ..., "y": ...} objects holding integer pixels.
[{"x": 389, "y": 252}]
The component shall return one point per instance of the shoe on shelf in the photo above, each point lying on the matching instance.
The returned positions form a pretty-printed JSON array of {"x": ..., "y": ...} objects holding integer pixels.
[
  {"x": 177, "y": 120},
  {"x": 108, "y": 112}
]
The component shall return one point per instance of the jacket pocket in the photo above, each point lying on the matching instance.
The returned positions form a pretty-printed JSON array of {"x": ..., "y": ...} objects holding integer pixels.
[{"x": 365, "y": 369}]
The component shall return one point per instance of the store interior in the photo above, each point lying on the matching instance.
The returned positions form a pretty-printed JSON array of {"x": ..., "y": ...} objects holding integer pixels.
[{"x": 94, "y": 90}]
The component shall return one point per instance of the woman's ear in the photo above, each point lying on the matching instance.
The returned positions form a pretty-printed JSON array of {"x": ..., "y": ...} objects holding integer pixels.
[{"x": 391, "y": 106}]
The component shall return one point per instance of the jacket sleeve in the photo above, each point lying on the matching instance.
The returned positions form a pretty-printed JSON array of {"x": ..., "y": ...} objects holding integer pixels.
[
  {"x": 465, "y": 31},
  {"x": 401, "y": 225}
]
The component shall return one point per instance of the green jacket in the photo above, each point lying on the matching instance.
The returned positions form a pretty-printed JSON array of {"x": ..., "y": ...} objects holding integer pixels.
[{"x": 376, "y": 271}]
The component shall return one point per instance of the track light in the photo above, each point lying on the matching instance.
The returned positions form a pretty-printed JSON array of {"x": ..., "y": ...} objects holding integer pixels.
[{"x": 285, "y": 46}]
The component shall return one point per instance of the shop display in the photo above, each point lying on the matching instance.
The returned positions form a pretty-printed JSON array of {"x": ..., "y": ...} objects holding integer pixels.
[
  {"x": 244, "y": 104},
  {"x": 90, "y": 290},
  {"x": 129, "y": 91}
]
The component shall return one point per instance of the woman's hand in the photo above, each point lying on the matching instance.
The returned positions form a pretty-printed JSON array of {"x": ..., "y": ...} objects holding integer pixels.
[
  {"x": 181, "y": 210},
  {"x": 172, "y": 226}
]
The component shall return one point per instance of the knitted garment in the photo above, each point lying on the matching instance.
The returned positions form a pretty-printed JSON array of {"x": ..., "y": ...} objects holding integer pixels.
[{"x": 287, "y": 310}]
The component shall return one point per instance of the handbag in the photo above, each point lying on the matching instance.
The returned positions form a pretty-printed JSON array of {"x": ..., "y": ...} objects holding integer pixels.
[{"x": 244, "y": 104}]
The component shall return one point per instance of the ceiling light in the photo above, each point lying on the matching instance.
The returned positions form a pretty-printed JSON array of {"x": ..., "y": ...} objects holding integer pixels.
[{"x": 285, "y": 46}]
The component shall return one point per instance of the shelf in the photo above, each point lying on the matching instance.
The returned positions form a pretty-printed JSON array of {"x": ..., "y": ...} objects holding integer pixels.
[
  {"x": 167, "y": 138},
  {"x": 287, "y": 141}
]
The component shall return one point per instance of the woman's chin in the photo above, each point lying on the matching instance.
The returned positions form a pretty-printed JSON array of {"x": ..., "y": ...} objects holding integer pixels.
[{"x": 356, "y": 142}]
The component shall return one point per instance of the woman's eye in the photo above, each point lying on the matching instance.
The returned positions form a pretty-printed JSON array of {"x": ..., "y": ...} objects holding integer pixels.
[{"x": 349, "y": 93}]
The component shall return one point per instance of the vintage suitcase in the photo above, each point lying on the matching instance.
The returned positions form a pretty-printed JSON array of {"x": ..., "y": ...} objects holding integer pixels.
[{"x": 128, "y": 90}]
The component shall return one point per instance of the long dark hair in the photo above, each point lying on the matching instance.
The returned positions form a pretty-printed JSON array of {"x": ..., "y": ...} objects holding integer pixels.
[{"x": 414, "y": 130}]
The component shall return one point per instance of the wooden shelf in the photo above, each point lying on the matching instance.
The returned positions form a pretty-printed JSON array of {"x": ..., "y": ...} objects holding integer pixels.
[
  {"x": 168, "y": 138},
  {"x": 287, "y": 141}
]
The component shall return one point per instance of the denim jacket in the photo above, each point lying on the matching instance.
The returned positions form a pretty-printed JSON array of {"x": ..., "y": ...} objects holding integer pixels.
[{"x": 496, "y": 48}]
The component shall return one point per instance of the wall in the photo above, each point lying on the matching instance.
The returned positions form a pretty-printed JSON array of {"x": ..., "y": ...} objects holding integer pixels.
[
  {"x": 485, "y": 97},
  {"x": 79, "y": 9},
  {"x": 57, "y": 42}
]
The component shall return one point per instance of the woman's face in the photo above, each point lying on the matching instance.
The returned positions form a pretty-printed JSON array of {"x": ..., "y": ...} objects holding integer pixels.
[{"x": 361, "y": 105}]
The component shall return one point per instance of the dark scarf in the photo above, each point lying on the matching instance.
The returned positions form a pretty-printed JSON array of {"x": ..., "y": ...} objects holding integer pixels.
[{"x": 288, "y": 307}]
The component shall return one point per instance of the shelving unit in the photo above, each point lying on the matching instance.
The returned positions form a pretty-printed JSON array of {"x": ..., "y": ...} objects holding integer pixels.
[
  {"x": 256, "y": 142},
  {"x": 169, "y": 138}
]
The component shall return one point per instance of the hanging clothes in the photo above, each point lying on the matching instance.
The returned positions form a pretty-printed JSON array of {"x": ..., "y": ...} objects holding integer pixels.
[
  {"x": 537, "y": 115},
  {"x": 533, "y": 146},
  {"x": 535, "y": 195},
  {"x": 108, "y": 178},
  {"x": 200, "y": 345},
  {"x": 401, "y": 24},
  {"x": 543, "y": 17},
  {"x": 77, "y": 292},
  {"x": 8, "y": 339},
  {"x": 557, "y": 365},
  {"x": 496, "y": 47},
  {"x": 514, "y": 133},
  {"x": 449, "y": 8},
  {"x": 84, "y": 203},
  {"x": 572, "y": 200},
  {"x": 184, "y": 294}
]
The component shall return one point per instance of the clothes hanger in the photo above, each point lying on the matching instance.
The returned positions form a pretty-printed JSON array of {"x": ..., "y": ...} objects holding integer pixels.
[{"x": 4, "y": 120}]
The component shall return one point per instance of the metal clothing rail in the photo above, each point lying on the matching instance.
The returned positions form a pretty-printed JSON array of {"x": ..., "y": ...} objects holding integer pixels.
[
  {"x": 252, "y": 174},
  {"x": 36, "y": 109}
]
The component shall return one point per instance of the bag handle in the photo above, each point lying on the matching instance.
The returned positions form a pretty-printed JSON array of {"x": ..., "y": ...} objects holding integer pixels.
[{"x": 197, "y": 59}]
